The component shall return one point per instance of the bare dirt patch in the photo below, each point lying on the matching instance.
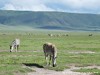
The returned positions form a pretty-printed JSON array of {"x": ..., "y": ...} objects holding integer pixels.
[{"x": 42, "y": 71}]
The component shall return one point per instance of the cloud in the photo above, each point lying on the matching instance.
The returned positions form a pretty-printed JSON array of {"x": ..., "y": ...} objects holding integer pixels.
[
  {"x": 30, "y": 5},
  {"x": 91, "y": 6},
  {"x": 40, "y": 7},
  {"x": 88, "y": 4},
  {"x": 9, "y": 7}
]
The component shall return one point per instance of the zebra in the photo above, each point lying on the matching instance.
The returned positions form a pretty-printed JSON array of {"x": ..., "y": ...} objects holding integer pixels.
[
  {"x": 90, "y": 34},
  {"x": 51, "y": 51},
  {"x": 50, "y": 35},
  {"x": 15, "y": 45}
]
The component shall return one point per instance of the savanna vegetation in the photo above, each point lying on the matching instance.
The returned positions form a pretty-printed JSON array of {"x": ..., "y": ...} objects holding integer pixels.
[{"x": 72, "y": 49}]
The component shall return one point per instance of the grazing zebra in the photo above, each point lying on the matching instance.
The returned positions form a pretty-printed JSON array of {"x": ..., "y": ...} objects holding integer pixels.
[
  {"x": 15, "y": 45},
  {"x": 51, "y": 51},
  {"x": 90, "y": 34},
  {"x": 50, "y": 35}
]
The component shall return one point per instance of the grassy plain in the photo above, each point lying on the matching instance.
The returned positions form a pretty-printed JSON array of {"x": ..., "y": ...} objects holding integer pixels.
[{"x": 72, "y": 49}]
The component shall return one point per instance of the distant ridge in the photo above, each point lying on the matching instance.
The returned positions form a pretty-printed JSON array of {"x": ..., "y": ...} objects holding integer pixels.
[{"x": 50, "y": 20}]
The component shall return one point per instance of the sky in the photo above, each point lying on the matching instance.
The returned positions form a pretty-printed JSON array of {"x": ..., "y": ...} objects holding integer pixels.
[{"x": 73, "y": 6}]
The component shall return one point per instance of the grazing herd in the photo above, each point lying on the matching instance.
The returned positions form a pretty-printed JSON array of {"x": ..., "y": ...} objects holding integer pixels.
[
  {"x": 50, "y": 50},
  {"x": 57, "y": 35}
]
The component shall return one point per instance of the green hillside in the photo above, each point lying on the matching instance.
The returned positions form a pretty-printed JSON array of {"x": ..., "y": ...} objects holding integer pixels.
[{"x": 49, "y": 20}]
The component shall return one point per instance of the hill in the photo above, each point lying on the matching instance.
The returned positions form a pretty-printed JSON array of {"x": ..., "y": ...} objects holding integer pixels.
[{"x": 49, "y": 20}]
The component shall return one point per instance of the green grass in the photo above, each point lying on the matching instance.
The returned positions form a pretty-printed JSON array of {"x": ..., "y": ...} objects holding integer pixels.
[{"x": 31, "y": 52}]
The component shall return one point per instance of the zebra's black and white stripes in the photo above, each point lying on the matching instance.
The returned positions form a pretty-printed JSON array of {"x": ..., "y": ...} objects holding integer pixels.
[{"x": 15, "y": 45}]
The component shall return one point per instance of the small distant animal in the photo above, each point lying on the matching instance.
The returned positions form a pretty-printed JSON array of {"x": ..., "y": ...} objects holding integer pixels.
[
  {"x": 50, "y": 51},
  {"x": 15, "y": 45},
  {"x": 58, "y": 35},
  {"x": 90, "y": 34},
  {"x": 50, "y": 35}
]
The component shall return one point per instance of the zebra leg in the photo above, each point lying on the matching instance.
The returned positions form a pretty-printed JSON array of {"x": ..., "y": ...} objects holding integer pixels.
[
  {"x": 11, "y": 48},
  {"x": 50, "y": 60},
  {"x": 16, "y": 47},
  {"x": 46, "y": 58}
]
